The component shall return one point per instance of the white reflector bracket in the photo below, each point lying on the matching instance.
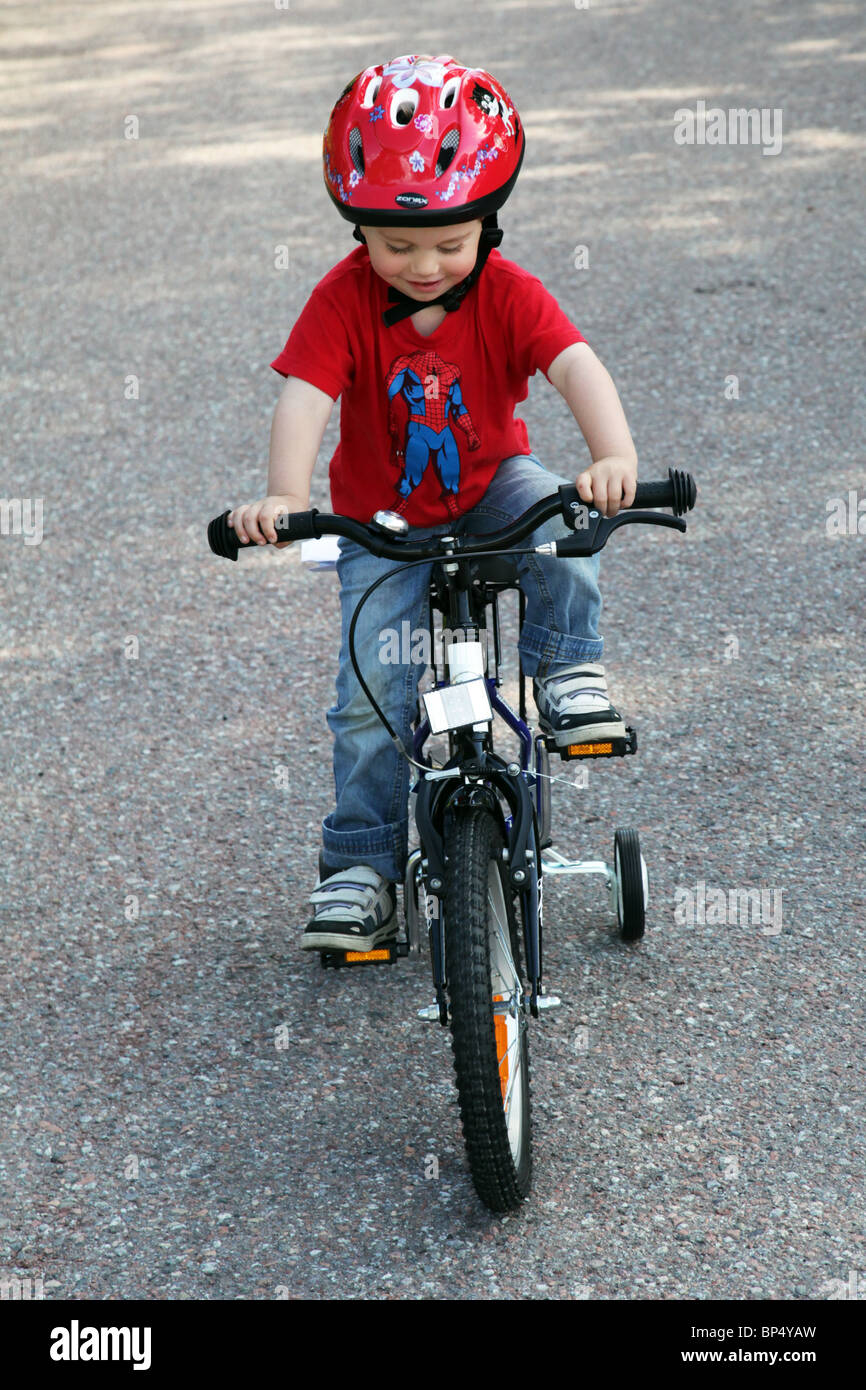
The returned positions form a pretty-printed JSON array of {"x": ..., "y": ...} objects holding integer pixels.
[
  {"x": 322, "y": 552},
  {"x": 455, "y": 706}
]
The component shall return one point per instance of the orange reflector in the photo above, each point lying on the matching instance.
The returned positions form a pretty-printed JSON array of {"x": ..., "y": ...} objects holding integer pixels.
[
  {"x": 576, "y": 749},
  {"x": 500, "y": 1030},
  {"x": 368, "y": 955}
]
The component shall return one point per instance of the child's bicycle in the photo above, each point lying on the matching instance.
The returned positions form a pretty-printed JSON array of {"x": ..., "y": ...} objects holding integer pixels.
[{"x": 484, "y": 823}]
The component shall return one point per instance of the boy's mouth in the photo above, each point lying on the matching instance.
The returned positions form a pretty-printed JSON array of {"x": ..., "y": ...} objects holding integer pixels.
[{"x": 426, "y": 285}]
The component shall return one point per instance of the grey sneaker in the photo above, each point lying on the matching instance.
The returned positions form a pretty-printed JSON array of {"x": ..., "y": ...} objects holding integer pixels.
[
  {"x": 574, "y": 706},
  {"x": 354, "y": 910}
]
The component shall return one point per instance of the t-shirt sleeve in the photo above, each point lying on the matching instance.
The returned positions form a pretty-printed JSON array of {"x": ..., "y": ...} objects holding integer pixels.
[
  {"x": 318, "y": 349},
  {"x": 539, "y": 327}
]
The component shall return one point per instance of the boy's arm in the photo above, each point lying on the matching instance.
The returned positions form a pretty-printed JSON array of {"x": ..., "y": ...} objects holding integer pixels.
[
  {"x": 300, "y": 419},
  {"x": 586, "y": 386}
]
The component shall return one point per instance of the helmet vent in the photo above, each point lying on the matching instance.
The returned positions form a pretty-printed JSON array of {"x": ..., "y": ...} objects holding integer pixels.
[
  {"x": 404, "y": 104},
  {"x": 448, "y": 95},
  {"x": 356, "y": 148},
  {"x": 447, "y": 150},
  {"x": 372, "y": 91}
]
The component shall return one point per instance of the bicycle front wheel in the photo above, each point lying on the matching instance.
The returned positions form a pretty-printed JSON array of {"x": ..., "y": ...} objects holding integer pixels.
[{"x": 489, "y": 1033}]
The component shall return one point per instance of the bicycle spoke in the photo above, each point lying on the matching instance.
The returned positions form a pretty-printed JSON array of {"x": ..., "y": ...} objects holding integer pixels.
[
  {"x": 515, "y": 1073},
  {"x": 509, "y": 1048},
  {"x": 505, "y": 949}
]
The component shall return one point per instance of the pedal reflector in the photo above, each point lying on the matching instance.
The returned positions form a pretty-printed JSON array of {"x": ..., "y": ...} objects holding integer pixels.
[
  {"x": 590, "y": 750},
  {"x": 368, "y": 955}
]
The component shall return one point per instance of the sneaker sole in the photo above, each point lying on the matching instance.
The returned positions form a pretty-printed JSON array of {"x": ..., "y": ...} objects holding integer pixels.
[
  {"x": 592, "y": 733},
  {"x": 336, "y": 941}
]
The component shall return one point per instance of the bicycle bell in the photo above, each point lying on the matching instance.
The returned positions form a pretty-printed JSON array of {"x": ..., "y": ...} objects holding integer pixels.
[{"x": 392, "y": 523}]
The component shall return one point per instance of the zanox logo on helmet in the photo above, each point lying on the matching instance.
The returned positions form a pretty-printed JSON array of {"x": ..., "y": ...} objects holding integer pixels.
[{"x": 411, "y": 200}]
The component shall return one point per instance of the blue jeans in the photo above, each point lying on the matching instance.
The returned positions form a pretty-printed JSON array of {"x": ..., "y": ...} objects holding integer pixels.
[{"x": 563, "y": 605}]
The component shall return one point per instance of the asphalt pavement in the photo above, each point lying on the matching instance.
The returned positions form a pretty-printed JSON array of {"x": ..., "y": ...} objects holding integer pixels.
[{"x": 192, "y": 1107}]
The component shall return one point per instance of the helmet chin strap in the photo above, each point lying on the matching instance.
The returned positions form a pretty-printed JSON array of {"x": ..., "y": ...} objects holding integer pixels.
[{"x": 402, "y": 305}]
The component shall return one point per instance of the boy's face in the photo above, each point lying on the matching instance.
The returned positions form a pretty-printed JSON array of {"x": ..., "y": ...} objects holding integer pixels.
[{"x": 423, "y": 262}]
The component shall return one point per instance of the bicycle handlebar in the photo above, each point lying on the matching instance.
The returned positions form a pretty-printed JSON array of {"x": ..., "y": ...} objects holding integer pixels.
[{"x": 590, "y": 529}]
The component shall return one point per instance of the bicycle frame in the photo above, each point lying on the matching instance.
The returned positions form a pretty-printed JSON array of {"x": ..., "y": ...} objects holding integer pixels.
[{"x": 484, "y": 778}]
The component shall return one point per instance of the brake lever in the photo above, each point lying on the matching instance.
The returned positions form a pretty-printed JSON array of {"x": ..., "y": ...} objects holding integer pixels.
[{"x": 586, "y": 540}]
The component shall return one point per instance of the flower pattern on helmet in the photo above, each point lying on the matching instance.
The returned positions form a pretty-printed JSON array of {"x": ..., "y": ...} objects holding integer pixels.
[
  {"x": 406, "y": 71},
  {"x": 467, "y": 174},
  {"x": 336, "y": 178}
]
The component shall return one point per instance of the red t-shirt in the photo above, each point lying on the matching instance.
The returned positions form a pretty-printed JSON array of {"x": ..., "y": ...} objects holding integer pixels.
[{"x": 425, "y": 421}]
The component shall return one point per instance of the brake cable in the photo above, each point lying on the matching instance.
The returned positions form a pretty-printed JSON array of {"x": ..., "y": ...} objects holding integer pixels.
[{"x": 398, "y": 569}]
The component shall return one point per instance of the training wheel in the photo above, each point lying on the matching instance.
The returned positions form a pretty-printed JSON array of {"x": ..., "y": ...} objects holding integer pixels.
[{"x": 632, "y": 884}]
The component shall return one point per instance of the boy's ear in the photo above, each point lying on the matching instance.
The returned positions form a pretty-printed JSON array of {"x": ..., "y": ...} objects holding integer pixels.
[{"x": 359, "y": 235}]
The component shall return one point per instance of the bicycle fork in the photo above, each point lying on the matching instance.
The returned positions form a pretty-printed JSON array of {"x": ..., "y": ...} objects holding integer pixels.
[{"x": 425, "y": 874}]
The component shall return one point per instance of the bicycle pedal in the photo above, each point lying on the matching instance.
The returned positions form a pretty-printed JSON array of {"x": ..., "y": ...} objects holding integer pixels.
[
  {"x": 603, "y": 748},
  {"x": 386, "y": 954}
]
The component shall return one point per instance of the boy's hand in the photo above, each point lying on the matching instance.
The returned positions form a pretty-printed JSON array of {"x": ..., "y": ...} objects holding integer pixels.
[
  {"x": 609, "y": 484},
  {"x": 255, "y": 520}
]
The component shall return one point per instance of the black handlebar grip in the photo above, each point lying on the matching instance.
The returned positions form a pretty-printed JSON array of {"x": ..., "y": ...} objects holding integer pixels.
[
  {"x": 678, "y": 493},
  {"x": 291, "y": 526},
  {"x": 297, "y": 526},
  {"x": 222, "y": 538}
]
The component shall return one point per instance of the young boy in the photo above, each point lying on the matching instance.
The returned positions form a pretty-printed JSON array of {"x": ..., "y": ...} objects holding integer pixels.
[{"x": 428, "y": 335}]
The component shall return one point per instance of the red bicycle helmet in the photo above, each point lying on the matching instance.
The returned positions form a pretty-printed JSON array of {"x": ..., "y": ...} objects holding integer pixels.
[{"x": 421, "y": 141}]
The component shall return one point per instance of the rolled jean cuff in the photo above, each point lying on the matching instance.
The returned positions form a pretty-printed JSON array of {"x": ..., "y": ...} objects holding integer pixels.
[
  {"x": 541, "y": 648},
  {"x": 384, "y": 849}
]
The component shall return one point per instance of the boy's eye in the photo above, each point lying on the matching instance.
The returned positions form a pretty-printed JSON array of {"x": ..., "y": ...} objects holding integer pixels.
[{"x": 402, "y": 250}]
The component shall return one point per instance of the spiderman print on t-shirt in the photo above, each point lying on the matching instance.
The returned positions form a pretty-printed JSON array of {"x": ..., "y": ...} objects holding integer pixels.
[{"x": 431, "y": 391}]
